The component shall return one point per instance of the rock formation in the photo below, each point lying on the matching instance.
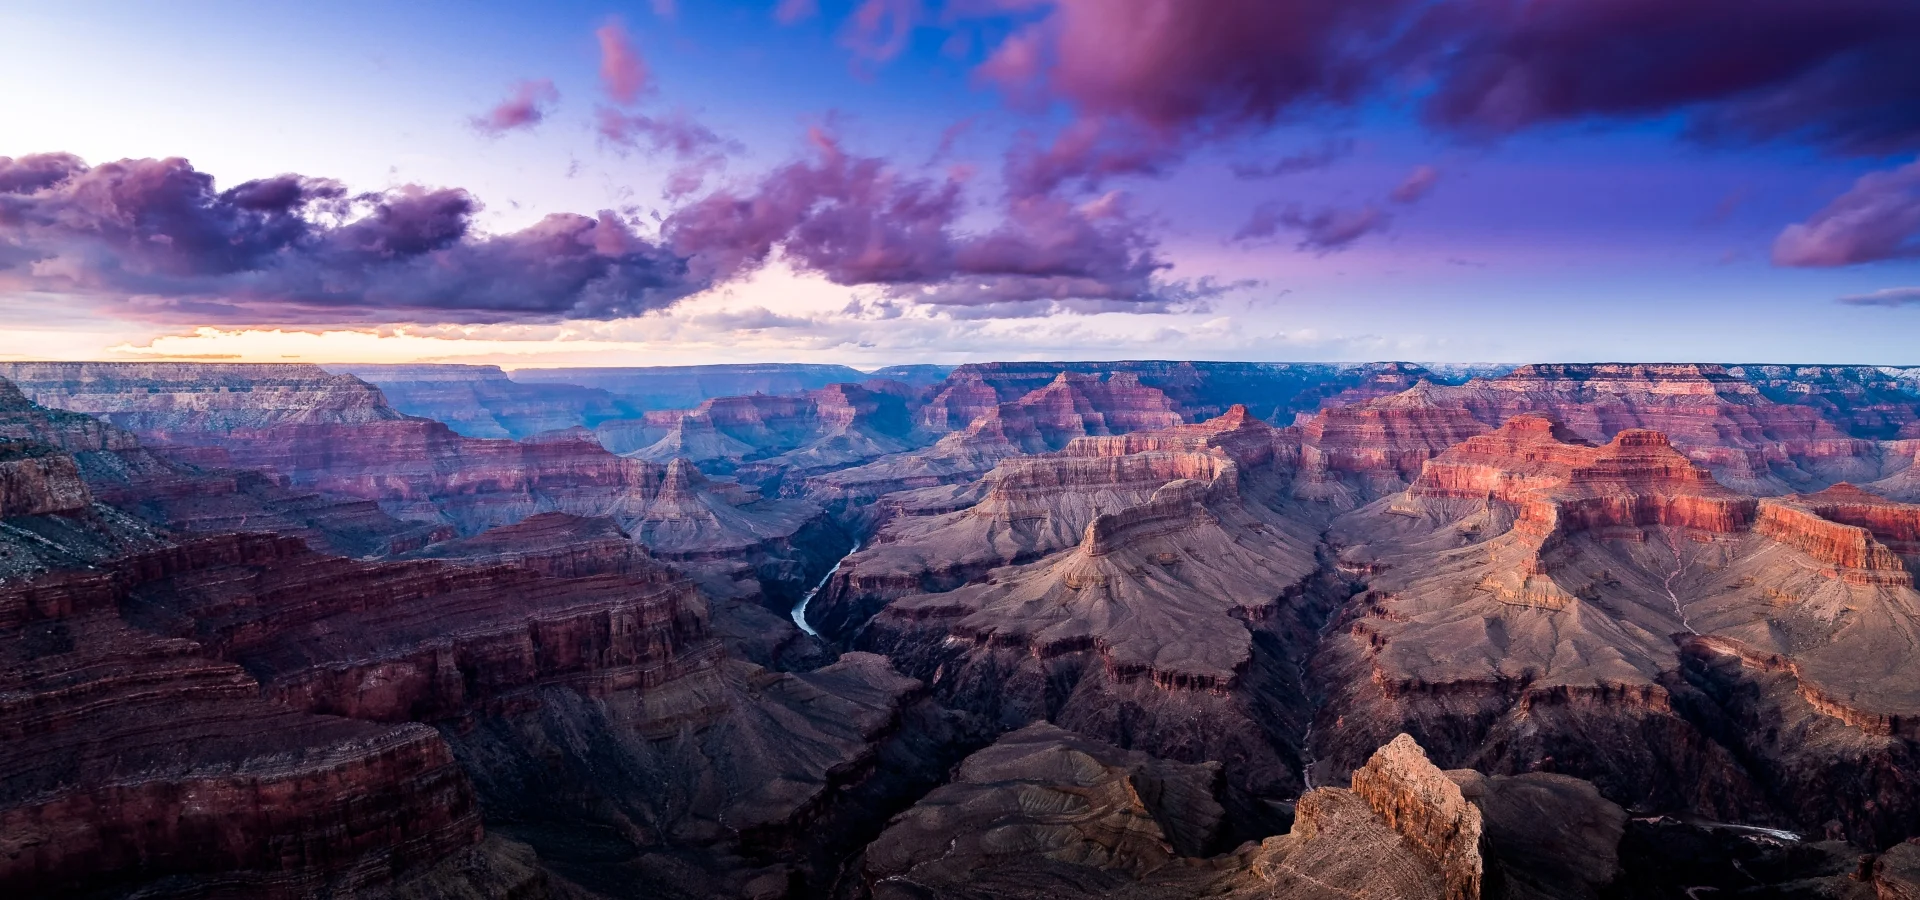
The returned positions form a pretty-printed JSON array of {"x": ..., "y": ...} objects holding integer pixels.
[
  {"x": 1535, "y": 601},
  {"x": 1029, "y": 507},
  {"x": 244, "y": 690},
  {"x": 1110, "y": 632},
  {"x": 1045, "y": 812},
  {"x": 483, "y": 402},
  {"x": 764, "y": 440},
  {"x": 1164, "y": 630},
  {"x": 1752, "y": 443},
  {"x": 335, "y": 435},
  {"x": 119, "y": 471},
  {"x": 1045, "y": 419}
]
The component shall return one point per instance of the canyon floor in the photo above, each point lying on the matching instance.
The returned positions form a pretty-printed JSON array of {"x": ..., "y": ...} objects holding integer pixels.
[{"x": 1139, "y": 629}]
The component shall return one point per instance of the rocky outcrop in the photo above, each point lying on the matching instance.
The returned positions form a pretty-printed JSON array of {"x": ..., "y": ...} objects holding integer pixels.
[
  {"x": 38, "y": 480},
  {"x": 1418, "y": 801},
  {"x": 1043, "y": 802},
  {"x": 1352, "y": 454},
  {"x": 483, "y": 402},
  {"x": 1850, "y": 552}
]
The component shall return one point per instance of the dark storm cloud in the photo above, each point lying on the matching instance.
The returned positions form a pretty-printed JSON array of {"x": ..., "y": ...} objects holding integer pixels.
[
  {"x": 1840, "y": 73},
  {"x": 155, "y": 239},
  {"x": 1149, "y": 78}
]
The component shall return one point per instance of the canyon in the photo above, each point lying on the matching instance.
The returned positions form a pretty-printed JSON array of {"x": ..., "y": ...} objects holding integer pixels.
[{"x": 1140, "y": 629}]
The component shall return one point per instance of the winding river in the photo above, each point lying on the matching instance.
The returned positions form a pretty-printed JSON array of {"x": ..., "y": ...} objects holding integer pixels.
[{"x": 800, "y": 609}]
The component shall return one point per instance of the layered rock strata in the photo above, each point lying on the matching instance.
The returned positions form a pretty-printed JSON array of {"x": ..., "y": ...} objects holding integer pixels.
[
  {"x": 483, "y": 402},
  {"x": 1164, "y": 629},
  {"x": 130, "y": 757},
  {"x": 1045, "y": 812},
  {"x": 335, "y": 435},
  {"x": 1530, "y": 593},
  {"x": 1029, "y": 507}
]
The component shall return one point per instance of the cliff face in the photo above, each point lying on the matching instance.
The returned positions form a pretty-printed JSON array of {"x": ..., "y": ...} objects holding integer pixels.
[
  {"x": 334, "y": 435},
  {"x": 1353, "y": 454},
  {"x": 766, "y": 440},
  {"x": 482, "y": 402},
  {"x": 1751, "y": 442},
  {"x": 1176, "y": 609},
  {"x": 1863, "y": 401},
  {"x": 128, "y": 757},
  {"x": 37, "y": 480},
  {"x": 1528, "y": 587},
  {"x": 1198, "y": 390},
  {"x": 214, "y": 398},
  {"x": 1065, "y": 407},
  {"x": 265, "y": 702},
  {"x": 1028, "y": 507},
  {"x": 117, "y": 470}
]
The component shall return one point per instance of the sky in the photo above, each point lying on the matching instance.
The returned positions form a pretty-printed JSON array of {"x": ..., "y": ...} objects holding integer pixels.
[{"x": 890, "y": 181}]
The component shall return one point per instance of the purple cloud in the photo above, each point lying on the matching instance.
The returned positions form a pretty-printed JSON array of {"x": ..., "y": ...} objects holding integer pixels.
[
  {"x": 1184, "y": 71},
  {"x": 878, "y": 29},
  {"x": 1838, "y": 73},
  {"x": 1327, "y": 230},
  {"x": 154, "y": 239},
  {"x": 622, "y": 70},
  {"x": 1878, "y": 219},
  {"x": 676, "y": 133},
  {"x": 858, "y": 220},
  {"x": 1415, "y": 186},
  {"x": 1327, "y": 153},
  {"x": 1903, "y": 296},
  {"x": 525, "y": 107}
]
